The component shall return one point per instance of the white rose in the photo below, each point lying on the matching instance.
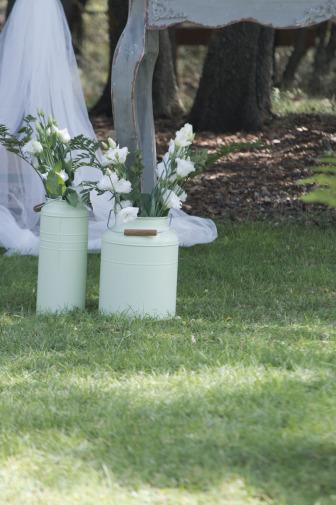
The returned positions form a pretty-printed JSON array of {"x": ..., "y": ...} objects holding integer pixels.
[
  {"x": 117, "y": 155},
  {"x": 122, "y": 186},
  {"x": 184, "y": 167},
  {"x": 128, "y": 214},
  {"x": 171, "y": 200},
  {"x": 185, "y": 136},
  {"x": 32, "y": 147}
]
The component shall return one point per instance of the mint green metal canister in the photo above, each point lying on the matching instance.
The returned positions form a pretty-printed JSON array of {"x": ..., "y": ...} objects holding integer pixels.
[
  {"x": 62, "y": 264},
  {"x": 138, "y": 275}
]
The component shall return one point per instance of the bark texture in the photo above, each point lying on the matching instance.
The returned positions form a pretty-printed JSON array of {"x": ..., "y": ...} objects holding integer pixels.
[
  {"x": 117, "y": 17},
  {"x": 165, "y": 90},
  {"x": 324, "y": 57},
  {"x": 299, "y": 51},
  {"x": 235, "y": 88}
]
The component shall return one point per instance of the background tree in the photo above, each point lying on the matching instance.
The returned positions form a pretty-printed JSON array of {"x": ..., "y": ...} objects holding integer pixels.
[{"x": 235, "y": 88}]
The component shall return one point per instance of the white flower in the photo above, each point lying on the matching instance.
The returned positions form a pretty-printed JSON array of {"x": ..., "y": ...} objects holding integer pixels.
[
  {"x": 172, "y": 147},
  {"x": 105, "y": 183},
  {"x": 171, "y": 200},
  {"x": 128, "y": 214},
  {"x": 125, "y": 203},
  {"x": 185, "y": 136},
  {"x": 32, "y": 147},
  {"x": 63, "y": 175},
  {"x": 161, "y": 170},
  {"x": 184, "y": 167},
  {"x": 122, "y": 186},
  {"x": 63, "y": 135},
  {"x": 105, "y": 161},
  {"x": 112, "y": 143},
  {"x": 116, "y": 155}
]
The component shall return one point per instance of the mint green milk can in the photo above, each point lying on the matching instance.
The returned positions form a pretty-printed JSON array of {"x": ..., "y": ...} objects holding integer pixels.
[
  {"x": 62, "y": 266},
  {"x": 138, "y": 275}
]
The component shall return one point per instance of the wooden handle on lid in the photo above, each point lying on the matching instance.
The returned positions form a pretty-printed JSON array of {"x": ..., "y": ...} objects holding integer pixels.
[{"x": 140, "y": 233}]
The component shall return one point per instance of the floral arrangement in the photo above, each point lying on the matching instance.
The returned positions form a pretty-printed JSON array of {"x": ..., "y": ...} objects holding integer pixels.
[
  {"x": 52, "y": 153},
  {"x": 55, "y": 157},
  {"x": 123, "y": 183}
]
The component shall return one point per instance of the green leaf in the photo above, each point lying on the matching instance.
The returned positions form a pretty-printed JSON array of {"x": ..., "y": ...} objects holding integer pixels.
[
  {"x": 55, "y": 185},
  {"x": 71, "y": 197},
  {"x": 58, "y": 166}
]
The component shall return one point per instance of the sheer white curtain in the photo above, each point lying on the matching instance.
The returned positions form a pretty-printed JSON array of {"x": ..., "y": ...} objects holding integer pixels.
[{"x": 38, "y": 70}]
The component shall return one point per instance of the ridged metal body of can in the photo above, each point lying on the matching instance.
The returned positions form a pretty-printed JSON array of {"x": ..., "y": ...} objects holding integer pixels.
[
  {"x": 138, "y": 274},
  {"x": 62, "y": 264}
]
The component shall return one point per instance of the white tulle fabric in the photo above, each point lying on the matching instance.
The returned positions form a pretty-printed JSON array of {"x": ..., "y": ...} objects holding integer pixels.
[{"x": 38, "y": 70}]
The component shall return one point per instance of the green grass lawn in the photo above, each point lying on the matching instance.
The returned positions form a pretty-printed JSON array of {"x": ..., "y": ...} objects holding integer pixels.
[{"x": 233, "y": 402}]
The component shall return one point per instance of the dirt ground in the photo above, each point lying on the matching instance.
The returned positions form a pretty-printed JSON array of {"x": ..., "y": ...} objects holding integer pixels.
[{"x": 261, "y": 184}]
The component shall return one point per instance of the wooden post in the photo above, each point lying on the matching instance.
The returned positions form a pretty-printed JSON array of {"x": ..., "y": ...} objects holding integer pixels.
[{"x": 132, "y": 77}]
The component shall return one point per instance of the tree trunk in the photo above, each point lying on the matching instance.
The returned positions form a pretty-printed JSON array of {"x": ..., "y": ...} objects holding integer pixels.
[
  {"x": 235, "y": 88},
  {"x": 117, "y": 14},
  {"x": 324, "y": 55},
  {"x": 10, "y": 4},
  {"x": 165, "y": 90},
  {"x": 299, "y": 51}
]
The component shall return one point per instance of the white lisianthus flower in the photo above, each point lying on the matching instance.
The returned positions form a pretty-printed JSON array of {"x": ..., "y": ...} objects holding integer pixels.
[
  {"x": 185, "y": 136},
  {"x": 172, "y": 147},
  {"x": 63, "y": 135},
  {"x": 105, "y": 184},
  {"x": 105, "y": 161},
  {"x": 171, "y": 200},
  {"x": 184, "y": 167},
  {"x": 125, "y": 203},
  {"x": 112, "y": 143},
  {"x": 122, "y": 186},
  {"x": 63, "y": 175},
  {"x": 32, "y": 147},
  {"x": 161, "y": 170},
  {"x": 128, "y": 214},
  {"x": 117, "y": 155}
]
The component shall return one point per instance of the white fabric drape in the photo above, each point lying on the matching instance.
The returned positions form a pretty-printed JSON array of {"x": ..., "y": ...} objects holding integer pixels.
[{"x": 38, "y": 71}]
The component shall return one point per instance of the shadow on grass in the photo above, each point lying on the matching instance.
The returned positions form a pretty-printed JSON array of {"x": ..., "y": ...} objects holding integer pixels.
[{"x": 179, "y": 433}]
